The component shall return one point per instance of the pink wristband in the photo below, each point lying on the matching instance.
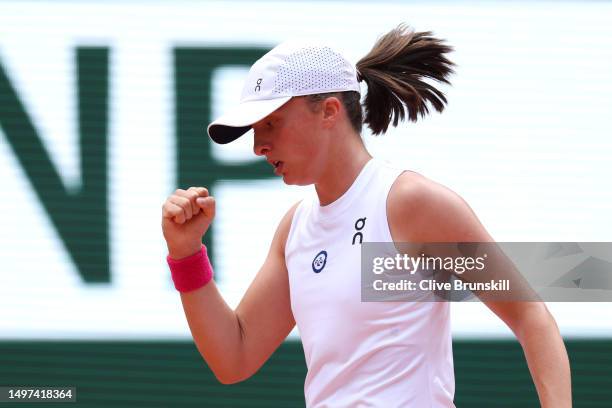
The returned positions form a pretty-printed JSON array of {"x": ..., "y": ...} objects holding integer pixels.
[{"x": 191, "y": 273}]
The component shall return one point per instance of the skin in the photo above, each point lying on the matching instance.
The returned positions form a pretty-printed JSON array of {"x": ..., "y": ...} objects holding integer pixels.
[{"x": 321, "y": 148}]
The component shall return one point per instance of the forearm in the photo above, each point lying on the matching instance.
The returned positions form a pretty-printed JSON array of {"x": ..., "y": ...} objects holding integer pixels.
[
  {"x": 215, "y": 330},
  {"x": 546, "y": 357}
]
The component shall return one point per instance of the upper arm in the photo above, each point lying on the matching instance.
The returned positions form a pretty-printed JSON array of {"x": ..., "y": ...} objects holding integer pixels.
[
  {"x": 264, "y": 313},
  {"x": 420, "y": 210}
]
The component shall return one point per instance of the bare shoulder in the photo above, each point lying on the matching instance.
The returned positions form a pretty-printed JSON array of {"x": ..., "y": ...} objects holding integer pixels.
[
  {"x": 422, "y": 210},
  {"x": 282, "y": 232},
  {"x": 412, "y": 190}
]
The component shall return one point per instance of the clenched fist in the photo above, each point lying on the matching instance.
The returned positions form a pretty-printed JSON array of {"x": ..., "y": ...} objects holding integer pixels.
[{"x": 186, "y": 216}]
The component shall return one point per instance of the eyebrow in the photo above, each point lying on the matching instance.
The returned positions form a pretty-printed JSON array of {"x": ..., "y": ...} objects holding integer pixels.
[{"x": 272, "y": 118}]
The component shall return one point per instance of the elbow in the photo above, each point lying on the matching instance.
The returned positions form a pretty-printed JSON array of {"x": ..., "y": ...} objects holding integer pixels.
[
  {"x": 227, "y": 370},
  {"x": 229, "y": 378},
  {"x": 228, "y": 375},
  {"x": 224, "y": 375},
  {"x": 226, "y": 380}
]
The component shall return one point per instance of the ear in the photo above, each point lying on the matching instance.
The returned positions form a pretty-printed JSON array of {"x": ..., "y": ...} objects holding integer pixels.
[{"x": 331, "y": 108}]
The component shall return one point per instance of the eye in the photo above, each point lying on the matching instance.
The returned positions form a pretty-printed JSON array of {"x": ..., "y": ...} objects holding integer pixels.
[{"x": 269, "y": 124}]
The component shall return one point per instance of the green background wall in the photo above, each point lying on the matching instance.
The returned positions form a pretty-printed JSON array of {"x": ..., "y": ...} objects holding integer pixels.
[{"x": 172, "y": 374}]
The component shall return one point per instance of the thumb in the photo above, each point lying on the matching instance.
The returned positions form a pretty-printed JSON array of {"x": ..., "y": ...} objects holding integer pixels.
[{"x": 207, "y": 204}]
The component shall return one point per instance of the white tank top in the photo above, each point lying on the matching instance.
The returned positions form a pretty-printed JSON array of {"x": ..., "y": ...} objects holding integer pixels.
[{"x": 361, "y": 354}]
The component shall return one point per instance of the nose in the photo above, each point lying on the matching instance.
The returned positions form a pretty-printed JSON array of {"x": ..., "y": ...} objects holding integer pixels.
[{"x": 260, "y": 146}]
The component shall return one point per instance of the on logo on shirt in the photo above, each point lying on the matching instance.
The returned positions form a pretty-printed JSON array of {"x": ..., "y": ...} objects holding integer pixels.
[{"x": 359, "y": 224}]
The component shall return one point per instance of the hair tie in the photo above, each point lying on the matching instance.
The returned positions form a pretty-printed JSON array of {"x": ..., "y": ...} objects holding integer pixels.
[{"x": 359, "y": 75}]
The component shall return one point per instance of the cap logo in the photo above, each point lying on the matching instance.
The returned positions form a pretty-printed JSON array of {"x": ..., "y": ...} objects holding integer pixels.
[{"x": 258, "y": 87}]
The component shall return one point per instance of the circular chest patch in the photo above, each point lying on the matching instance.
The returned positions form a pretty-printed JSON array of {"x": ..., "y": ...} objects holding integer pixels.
[{"x": 318, "y": 263}]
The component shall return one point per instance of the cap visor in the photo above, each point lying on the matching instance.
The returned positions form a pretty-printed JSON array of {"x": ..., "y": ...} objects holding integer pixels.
[{"x": 239, "y": 119}]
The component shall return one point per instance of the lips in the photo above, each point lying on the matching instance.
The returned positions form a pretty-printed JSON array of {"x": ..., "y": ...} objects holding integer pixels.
[
  {"x": 277, "y": 164},
  {"x": 278, "y": 167}
]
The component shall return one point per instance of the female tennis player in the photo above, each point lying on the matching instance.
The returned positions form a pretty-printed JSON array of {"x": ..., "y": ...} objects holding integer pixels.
[{"x": 303, "y": 102}]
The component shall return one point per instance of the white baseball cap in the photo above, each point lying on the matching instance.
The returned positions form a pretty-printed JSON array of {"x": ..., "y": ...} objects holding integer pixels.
[{"x": 292, "y": 68}]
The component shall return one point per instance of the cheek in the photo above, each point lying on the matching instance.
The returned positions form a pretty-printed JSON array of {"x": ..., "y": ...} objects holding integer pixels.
[
  {"x": 305, "y": 147},
  {"x": 300, "y": 142},
  {"x": 310, "y": 149},
  {"x": 312, "y": 159}
]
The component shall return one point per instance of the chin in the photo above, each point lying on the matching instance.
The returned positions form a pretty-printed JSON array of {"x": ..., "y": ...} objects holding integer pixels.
[
  {"x": 293, "y": 182},
  {"x": 290, "y": 182}
]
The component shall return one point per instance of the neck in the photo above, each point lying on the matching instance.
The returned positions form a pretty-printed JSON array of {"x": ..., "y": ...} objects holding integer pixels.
[{"x": 343, "y": 167}]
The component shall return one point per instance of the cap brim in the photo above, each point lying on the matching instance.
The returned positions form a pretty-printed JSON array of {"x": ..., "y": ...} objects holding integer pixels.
[{"x": 239, "y": 119}]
